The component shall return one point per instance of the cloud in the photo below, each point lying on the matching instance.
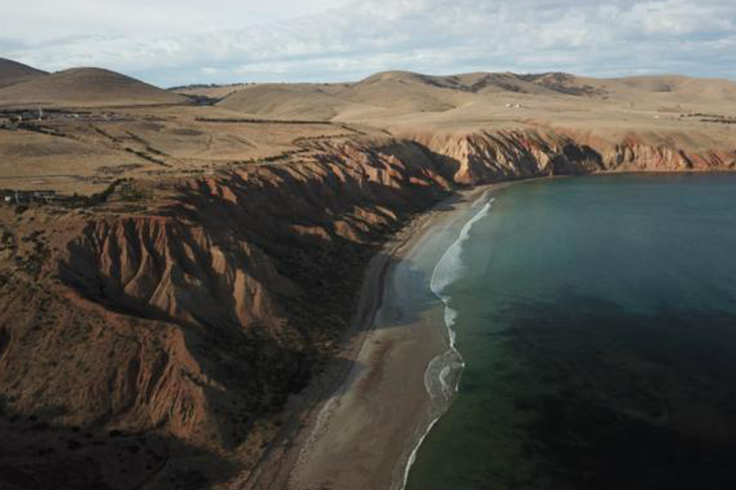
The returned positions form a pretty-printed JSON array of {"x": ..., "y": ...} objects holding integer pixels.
[
  {"x": 175, "y": 42},
  {"x": 678, "y": 17}
]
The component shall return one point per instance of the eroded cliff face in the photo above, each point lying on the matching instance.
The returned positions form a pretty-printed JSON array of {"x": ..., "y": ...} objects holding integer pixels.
[
  {"x": 157, "y": 348},
  {"x": 167, "y": 342},
  {"x": 490, "y": 156}
]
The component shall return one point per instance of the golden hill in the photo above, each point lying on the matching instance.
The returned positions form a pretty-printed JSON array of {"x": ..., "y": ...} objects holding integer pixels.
[
  {"x": 199, "y": 264},
  {"x": 85, "y": 87},
  {"x": 12, "y": 72},
  {"x": 293, "y": 101},
  {"x": 396, "y": 96}
]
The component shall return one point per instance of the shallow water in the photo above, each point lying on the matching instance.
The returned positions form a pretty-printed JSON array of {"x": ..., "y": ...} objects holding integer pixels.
[{"x": 596, "y": 317}]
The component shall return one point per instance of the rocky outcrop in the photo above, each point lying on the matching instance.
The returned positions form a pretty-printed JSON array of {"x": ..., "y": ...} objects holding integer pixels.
[
  {"x": 487, "y": 157},
  {"x": 186, "y": 327},
  {"x": 169, "y": 340}
]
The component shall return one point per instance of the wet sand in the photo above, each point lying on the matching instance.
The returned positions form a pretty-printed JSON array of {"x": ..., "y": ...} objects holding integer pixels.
[
  {"x": 364, "y": 435},
  {"x": 369, "y": 412}
]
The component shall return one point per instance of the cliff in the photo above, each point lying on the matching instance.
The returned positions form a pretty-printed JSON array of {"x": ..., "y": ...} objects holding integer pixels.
[
  {"x": 484, "y": 157},
  {"x": 156, "y": 348},
  {"x": 150, "y": 344}
]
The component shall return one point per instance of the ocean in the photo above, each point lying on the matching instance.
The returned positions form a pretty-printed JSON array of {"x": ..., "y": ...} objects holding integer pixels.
[{"x": 594, "y": 333}]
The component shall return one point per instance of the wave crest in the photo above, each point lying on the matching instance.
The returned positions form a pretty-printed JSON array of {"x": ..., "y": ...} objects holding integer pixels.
[{"x": 442, "y": 377}]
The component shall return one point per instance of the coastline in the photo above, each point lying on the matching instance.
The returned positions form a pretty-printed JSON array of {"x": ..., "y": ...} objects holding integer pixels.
[
  {"x": 330, "y": 426},
  {"x": 360, "y": 423}
]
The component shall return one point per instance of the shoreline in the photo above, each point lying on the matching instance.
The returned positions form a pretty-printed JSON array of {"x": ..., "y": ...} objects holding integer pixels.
[
  {"x": 309, "y": 414},
  {"x": 367, "y": 415}
]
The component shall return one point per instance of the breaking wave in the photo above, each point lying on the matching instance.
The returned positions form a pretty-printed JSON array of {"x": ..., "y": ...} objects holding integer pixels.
[{"x": 442, "y": 377}]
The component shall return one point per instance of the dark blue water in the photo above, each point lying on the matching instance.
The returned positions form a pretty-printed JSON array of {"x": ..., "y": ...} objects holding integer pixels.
[{"x": 597, "y": 320}]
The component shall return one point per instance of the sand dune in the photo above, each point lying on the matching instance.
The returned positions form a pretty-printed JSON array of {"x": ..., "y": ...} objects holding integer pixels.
[{"x": 85, "y": 87}]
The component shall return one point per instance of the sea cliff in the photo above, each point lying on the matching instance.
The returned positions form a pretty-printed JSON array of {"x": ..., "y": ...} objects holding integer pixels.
[{"x": 156, "y": 345}]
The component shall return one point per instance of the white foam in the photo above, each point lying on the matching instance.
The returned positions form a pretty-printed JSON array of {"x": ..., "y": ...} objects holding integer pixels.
[
  {"x": 440, "y": 370},
  {"x": 451, "y": 267},
  {"x": 444, "y": 375},
  {"x": 413, "y": 455},
  {"x": 482, "y": 199}
]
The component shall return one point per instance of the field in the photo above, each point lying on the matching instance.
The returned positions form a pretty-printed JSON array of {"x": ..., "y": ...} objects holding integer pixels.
[{"x": 191, "y": 259}]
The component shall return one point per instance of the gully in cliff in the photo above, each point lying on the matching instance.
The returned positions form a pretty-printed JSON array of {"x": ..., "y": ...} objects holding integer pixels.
[{"x": 296, "y": 285}]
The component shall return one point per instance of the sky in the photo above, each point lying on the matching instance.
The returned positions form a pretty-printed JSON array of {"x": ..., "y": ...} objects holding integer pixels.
[{"x": 178, "y": 42}]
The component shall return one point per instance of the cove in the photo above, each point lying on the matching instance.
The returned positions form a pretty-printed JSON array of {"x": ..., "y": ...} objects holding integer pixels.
[{"x": 596, "y": 319}]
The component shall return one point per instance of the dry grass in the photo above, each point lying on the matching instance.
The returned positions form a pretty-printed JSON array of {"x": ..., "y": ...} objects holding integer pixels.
[{"x": 154, "y": 133}]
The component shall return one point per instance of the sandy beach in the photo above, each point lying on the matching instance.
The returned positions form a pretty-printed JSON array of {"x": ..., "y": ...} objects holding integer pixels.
[
  {"x": 369, "y": 411},
  {"x": 236, "y": 281}
]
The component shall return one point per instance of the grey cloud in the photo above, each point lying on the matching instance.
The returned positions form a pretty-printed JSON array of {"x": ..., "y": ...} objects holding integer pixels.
[{"x": 607, "y": 38}]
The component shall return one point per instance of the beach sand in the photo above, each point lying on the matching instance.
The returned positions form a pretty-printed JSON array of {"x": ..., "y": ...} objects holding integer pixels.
[{"x": 369, "y": 411}]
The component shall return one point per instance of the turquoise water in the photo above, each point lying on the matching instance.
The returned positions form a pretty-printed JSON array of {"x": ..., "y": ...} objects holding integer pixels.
[{"x": 597, "y": 320}]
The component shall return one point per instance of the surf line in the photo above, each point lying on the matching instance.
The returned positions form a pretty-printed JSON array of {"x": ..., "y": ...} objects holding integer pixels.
[{"x": 448, "y": 270}]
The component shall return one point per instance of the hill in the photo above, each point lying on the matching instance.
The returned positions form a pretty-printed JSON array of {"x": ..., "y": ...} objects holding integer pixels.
[
  {"x": 173, "y": 275},
  {"x": 86, "y": 87},
  {"x": 12, "y": 72},
  {"x": 402, "y": 95},
  {"x": 293, "y": 101}
]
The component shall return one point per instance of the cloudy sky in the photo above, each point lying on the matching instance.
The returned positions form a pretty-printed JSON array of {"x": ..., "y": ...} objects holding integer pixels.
[{"x": 172, "y": 42}]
